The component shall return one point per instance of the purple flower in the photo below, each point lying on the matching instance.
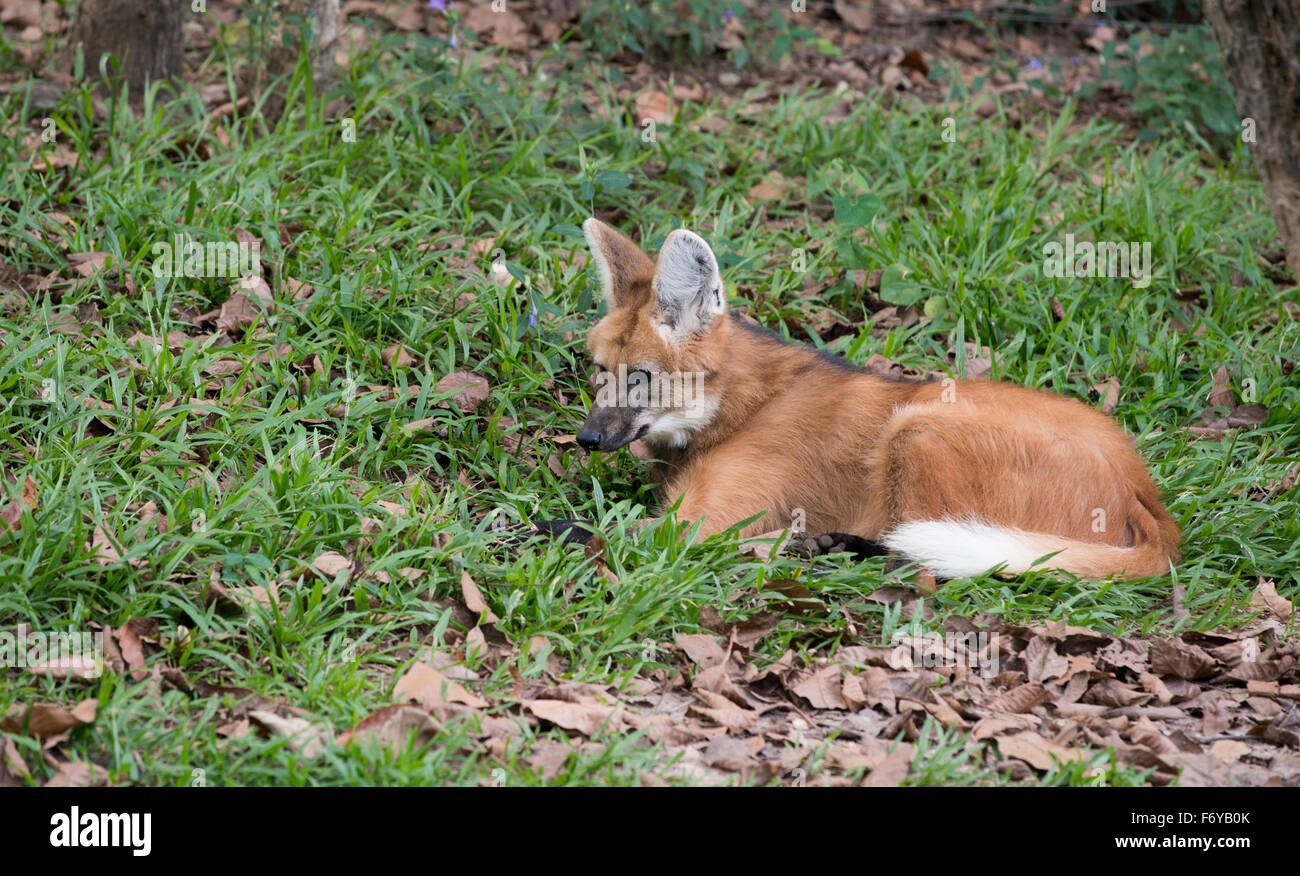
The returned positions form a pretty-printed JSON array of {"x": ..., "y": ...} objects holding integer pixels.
[
  {"x": 728, "y": 14},
  {"x": 1034, "y": 63},
  {"x": 440, "y": 5},
  {"x": 532, "y": 317},
  {"x": 452, "y": 42}
]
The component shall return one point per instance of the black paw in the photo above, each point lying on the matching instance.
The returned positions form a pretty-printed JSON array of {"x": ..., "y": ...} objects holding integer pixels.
[
  {"x": 571, "y": 531},
  {"x": 810, "y": 546}
]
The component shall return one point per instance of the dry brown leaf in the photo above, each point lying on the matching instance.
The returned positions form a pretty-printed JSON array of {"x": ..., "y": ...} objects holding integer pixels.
[
  {"x": 822, "y": 688},
  {"x": 1042, "y": 663},
  {"x": 1109, "y": 391},
  {"x": 431, "y": 688},
  {"x": 891, "y": 771},
  {"x": 979, "y": 361},
  {"x": 653, "y": 105},
  {"x": 1229, "y": 750},
  {"x": 799, "y": 599},
  {"x": 392, "y": 726},
  {"x": 1179, "y": 659},
  {"x": 1018, "y": 700},
  {"x": 105, "y": 552},
  {"x": 21, "y": 14},
  {"x": 11, "y": 763},
  {"x": 48, "y": 719},
  {"x": 728, "y": 753},
  {"x": 877, "y": 689},
  {"x": 256, "y": 289},
  {"x": 473, "y": 597},
  {"x": 723, "y": 712},
  {"x": 857, "y": 14},
  {"x": 1038, "y": 752},
  {"x": 396, "y": 357},
  {"x": 305, "y": 737},
  {"x": 702, "y": 648},
  {"x": 237, "y": 313},
  {"x": 1265, "y": 598},
  {"x": 1221, "y": 393},
  {"x": 78, "y": 774},
  {"x": 222, "y": 367},
  {"x": 716, "y": 680},
  {"x": 503, "y": 28},
  {"x": 331, "y": 563},
  {"x": 132, "y": 651},
  {"x": 1148, "y": 735},
  {"x": 13, "y": 512},
  {"x": 586, "y": 718},
  {"x": 986, "y": 728},
  {"x": 770, "y": 188},
  {"x": 87, "y": 264},
  {"x": 470, "y": 390},
  {"x": 299, "y": 291}
]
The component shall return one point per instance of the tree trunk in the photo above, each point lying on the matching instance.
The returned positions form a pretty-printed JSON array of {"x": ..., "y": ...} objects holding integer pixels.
[
  {"x": 280, "y": 55},
  {"x": 143, "y": 35},
  {"x": 1259, "y": 41}
]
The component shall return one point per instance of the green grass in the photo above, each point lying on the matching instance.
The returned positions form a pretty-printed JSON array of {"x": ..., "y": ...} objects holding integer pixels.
[{"x": 257, "y": 477}]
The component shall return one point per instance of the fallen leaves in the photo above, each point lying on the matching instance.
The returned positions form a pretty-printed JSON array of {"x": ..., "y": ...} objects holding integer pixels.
[
  {"x": 78, "y": 774},
  {"x": 1215, "y": 425},
  {"x": 48, "y": 719},
  {"x": 392, "y": 727},
  {"x": 502, "y": 28},
  {"x": 13, "y": 769},
  {"x": 331, "y": 564},
  {"x": 655, "y": 106},
  {"x": 26, "y": 500},
  {"x": 473, "y": 597},
  {"x": 1109, "y": 392},
  {"x": 1038, "y": 752},
  {"x": 88, "y": 264},
  {"x": 305, "y": 737},
  {"x": 469, "y": 390},
  {"x": 396, "y": 357},
  {"x": 1266, "y": 598},
  {"x": 588, "y": 719},
  {"x": 770, "y": 188},
  {"x": 857, "y": 14},
  {"x": 429, "y": 687},
  {"x": 237, "y": 313}
]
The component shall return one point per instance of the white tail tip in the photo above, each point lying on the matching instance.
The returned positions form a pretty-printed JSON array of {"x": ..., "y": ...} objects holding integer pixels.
[{"x": 963, "y": 548}]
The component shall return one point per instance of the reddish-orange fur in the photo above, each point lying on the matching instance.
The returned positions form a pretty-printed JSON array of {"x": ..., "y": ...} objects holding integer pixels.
[{"x": 862, "y": 454}]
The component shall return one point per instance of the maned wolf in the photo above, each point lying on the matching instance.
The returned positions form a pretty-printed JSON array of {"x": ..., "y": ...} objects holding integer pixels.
[{"x": 961, "y": 476}]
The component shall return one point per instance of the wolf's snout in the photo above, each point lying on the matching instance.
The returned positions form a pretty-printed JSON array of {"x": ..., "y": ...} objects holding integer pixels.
[{"x": 589, "y": 439}]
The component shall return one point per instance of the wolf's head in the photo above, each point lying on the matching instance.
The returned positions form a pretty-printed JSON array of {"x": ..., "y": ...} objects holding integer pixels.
[{"x": 660, "y": 343}]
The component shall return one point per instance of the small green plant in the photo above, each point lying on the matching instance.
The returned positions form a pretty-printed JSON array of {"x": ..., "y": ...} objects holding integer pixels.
[{"x": 1176, "y": 81}]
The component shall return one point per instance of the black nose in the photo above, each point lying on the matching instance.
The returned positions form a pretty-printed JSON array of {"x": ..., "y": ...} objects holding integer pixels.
[{"x": 589, "y": 440}]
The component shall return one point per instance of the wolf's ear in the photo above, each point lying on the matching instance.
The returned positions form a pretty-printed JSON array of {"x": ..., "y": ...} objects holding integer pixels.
[
  {"x": 624, "y": 270},
  {"x": 688, "y": 285}
]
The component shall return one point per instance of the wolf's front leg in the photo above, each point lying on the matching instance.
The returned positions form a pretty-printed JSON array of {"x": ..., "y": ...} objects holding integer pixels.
[{"x": 721, "y": 502}]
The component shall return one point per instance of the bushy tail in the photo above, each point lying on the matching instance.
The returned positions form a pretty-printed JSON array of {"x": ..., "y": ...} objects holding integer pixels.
[{"x": 961, "y": 548}]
